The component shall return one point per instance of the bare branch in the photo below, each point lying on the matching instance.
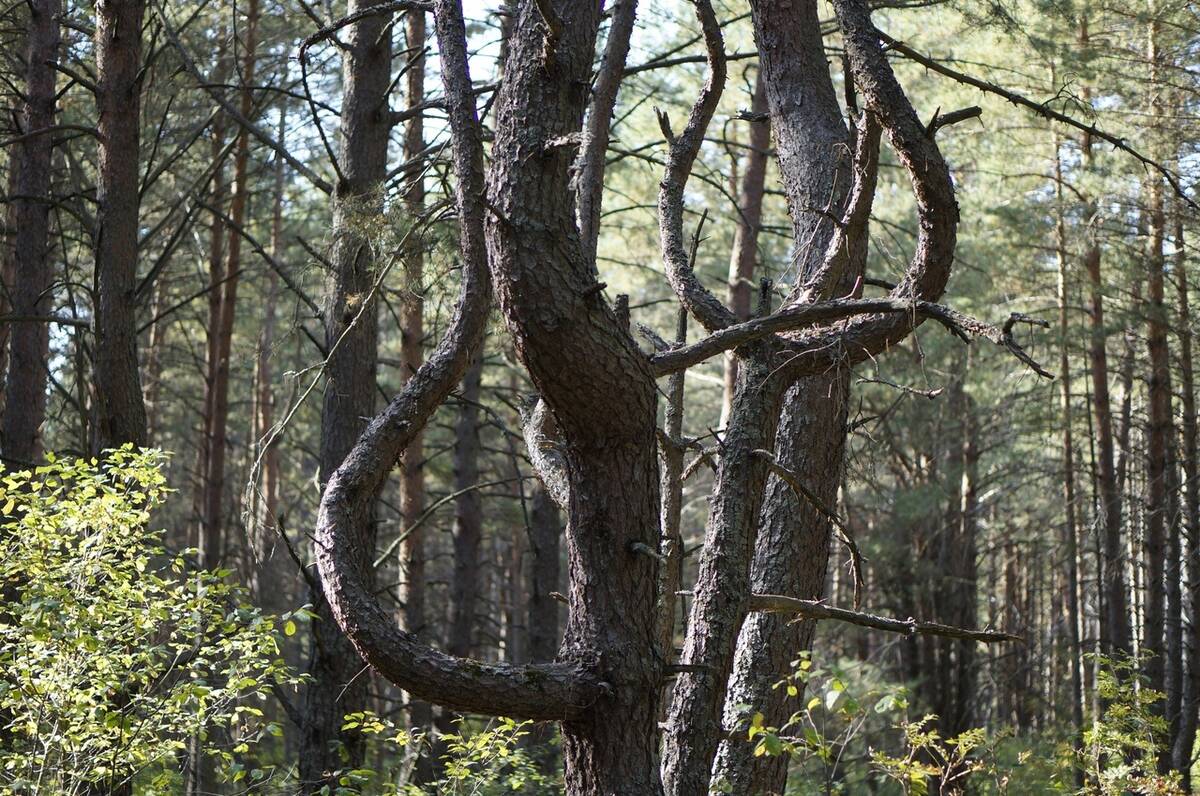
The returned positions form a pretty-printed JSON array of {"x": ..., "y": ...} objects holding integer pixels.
[
  {"x": 382, "y": 8},
  {"x": 811, "y": 609},
  {"x": 1041, "y": 109},
  {"x": 793, "y": 480},
  {"x": 264, "y": 137},
  {"x": 591, "y": 160},
  {"x": 701, "y": 303}
]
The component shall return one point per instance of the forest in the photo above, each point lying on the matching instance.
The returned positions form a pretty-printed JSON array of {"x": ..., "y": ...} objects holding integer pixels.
[{"x": 685, "y": 397}]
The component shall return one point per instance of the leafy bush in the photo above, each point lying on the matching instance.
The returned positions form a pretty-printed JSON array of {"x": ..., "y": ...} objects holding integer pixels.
[
  {"x": 479, "y": 760},
  {"x": 113, "y": 653}
]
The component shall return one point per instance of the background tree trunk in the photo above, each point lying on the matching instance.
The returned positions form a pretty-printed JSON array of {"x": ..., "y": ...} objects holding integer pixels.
[
  {"x": 339, "y": 685},
  {"x": 32, "y": 269},
  {"x": 120, "y": 414}
]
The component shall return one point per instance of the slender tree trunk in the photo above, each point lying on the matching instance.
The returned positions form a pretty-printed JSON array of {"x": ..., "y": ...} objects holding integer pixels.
[
  {"x": 1189, "y": 709},
  {"x": 1071, "y": 526},
  {"x": 120, "y": 414},
  {"x": 269, "y": 559},
  {"x": 1114, "y": 630},
  {"x": 152, "y": 388},
  {"x": 221, "y": 349},
  {"x": 468, "y": 515},
  {"x": 32, "y": 269},
  {"x": 412, "y": 481},
  {"x": 745, "y": 234},
  {"x": 1158, "y": 440},
  {"x": 339, "y": 682}
]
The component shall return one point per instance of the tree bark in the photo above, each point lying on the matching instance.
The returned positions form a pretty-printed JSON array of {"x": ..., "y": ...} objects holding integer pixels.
[
  {"x": 1115, "y": 627},
  {"x": 120, "y": 413},
  {"x": 745, "y": 234},
  {"x": 793, "y": 537},
  {"x": 351, "y": 331},
  {"x": 32, "y": 271},
  {"x": 577, "y": 352},
  {"x": 1071, "y": 526},
  {"x": 1158, "y": 439}
]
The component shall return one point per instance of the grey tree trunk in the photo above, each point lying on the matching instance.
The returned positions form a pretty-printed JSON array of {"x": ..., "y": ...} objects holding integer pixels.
[
  {"x": 352, "y": 326},
  {"x": 793, "y": 536}
]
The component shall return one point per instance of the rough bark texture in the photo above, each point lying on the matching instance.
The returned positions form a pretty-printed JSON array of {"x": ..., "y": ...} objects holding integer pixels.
[
  {"x": 693, "y": 729},
  {"x": 31, "y": 271},
  {"x": 1189, "y": 712},
  {"x": 583, "y": 362},
  {"x": 1158, "y": 438},
  {"x": 793, "y": 543},
  {"x": 600, "y": 391},
  {"x": 560, "y": 690},
  {"x": 723, "y": 582},
  {"x": 351, "y": 325},
  {"x": 120, "y": 413}
]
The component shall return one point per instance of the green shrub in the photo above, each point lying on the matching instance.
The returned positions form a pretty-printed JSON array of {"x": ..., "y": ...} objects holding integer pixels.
[{"x": 112, "y": 652}]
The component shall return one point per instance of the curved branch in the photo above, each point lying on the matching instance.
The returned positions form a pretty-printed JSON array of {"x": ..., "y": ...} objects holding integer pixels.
[
  {"x": 839, "y": 258},
  {"x": 681, "y": 155},
  {"x": 937, "y": 211},
  {"x": 591, "y": 162},
  {"x": 545, "y": 691}
]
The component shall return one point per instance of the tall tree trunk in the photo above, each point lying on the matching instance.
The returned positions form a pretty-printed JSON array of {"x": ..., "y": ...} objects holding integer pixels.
[
  {"x": 1114, "y": 630},
  {"x": 792, "y": 550},
  {"x": 269, "y": 559},
  {"x": 1189, "y": 709},
  {"x": 120, "y": 413},
  {"x": 1158, "y": 440},
  {"x": 221, "y": 348},
  {"x": 745, "y": 234},
  {"x": 351, "y": 331},
  {"x": 32, "y": 270},
  {"x": 1071, "y": 525},
  {"x": 468, "y": 514},
  {"x": 412, "y": 481}
]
